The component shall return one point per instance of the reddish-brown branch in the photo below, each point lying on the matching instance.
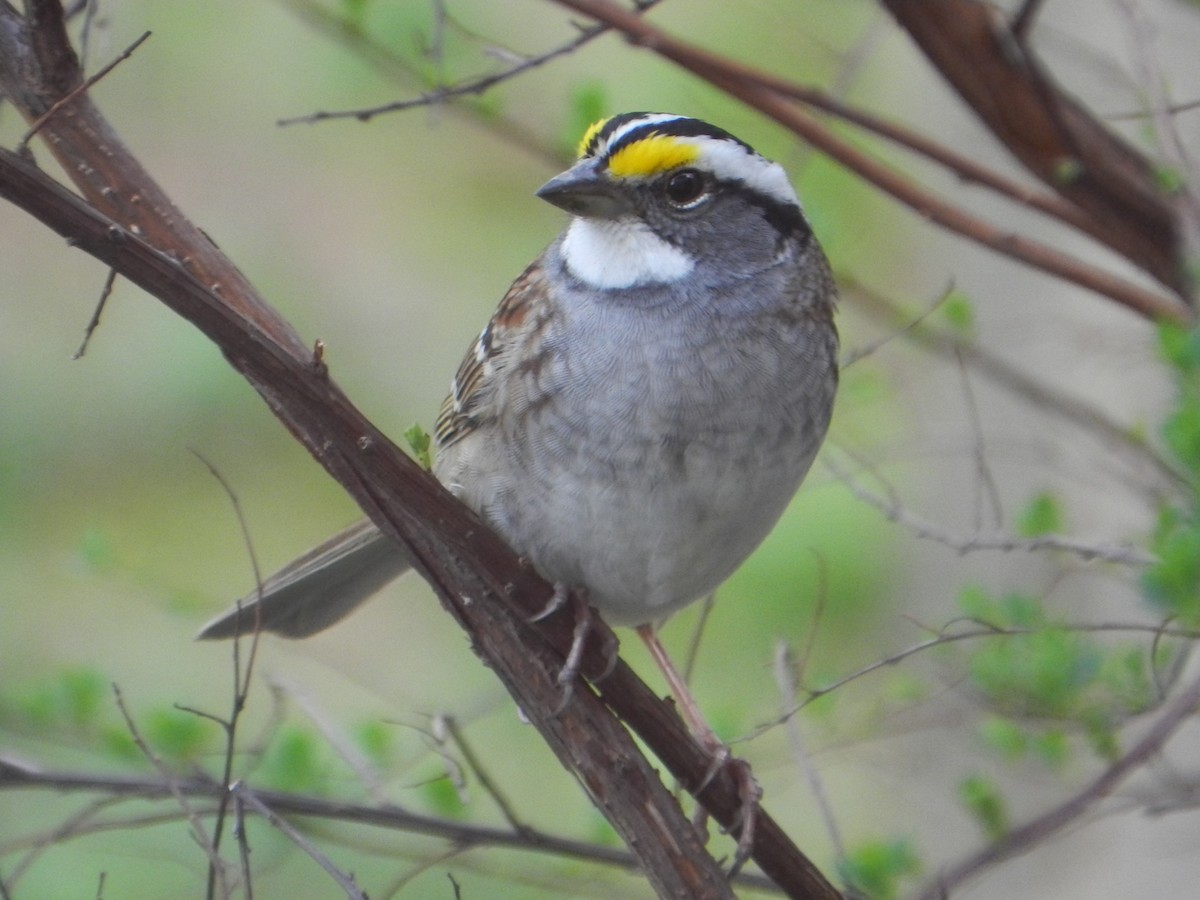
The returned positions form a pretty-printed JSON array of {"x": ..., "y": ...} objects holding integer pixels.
[{"x": 1054, "y": 136}]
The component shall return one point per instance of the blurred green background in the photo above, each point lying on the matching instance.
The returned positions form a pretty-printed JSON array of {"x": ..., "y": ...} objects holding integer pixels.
[{"x": 391, "y": 242}]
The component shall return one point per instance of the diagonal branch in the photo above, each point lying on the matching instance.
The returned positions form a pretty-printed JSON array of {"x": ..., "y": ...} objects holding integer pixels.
[
  {"x": 1052, "y": 134},
  {"x": 127, "y": 222}
]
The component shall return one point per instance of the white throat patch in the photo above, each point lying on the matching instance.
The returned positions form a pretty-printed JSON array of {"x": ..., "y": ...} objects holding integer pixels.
[{"x": 620, "y": 254}]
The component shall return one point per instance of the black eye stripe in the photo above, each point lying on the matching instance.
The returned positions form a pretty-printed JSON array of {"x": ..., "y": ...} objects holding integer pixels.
[{"x": 785, "y": 217}]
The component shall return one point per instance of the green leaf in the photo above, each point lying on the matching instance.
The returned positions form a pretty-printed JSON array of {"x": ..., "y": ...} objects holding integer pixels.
[
  {"x": 874, "y": 869},
  {"x": 83, "y": 691},
  {"x": 1181, "y": 431},
  {"x": 293, "y": 761},
  {"x": 1042, "y": 515},
  {"x": 1173, "y": 581},
  {"x": 982, "y": 799},
  {"x": 1004, "y": 736},
  {"x": 118, "y": 743},
  {"x": 959, "y": 313},
  {"x": 1053, "y": 747},
  {"x": 588, "y": 104},
  {"x": 1044, "y": 673},
  {"x": 178, "y": 734},
  {"x": 377, "y": 740},
  {"x": 1169, "y": 179},
  {"x": 1102, "y": 736},
  {"x": 420, "y": 443},
  {"x": 443, "y": 797},
  {"x": 1179, "y": 346}
]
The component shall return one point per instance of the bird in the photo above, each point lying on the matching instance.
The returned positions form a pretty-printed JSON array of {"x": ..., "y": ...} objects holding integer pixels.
[{"x": 644, "y": 402}]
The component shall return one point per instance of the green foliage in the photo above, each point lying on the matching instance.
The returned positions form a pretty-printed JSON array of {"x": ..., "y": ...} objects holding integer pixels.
[
  {"x": 1169, "y": 179},
  {"x": 443, "y": 797},
  {"x": 294, "y": 761},
  {"x": 1043, "y": 673},
  {"x": 179, "y": 735},
  {"x": 420, "y": 444},
  {"x": 588, "y": 103},
  {"x": 1043, "y": 515},
  {"x": 73, "y": 701},
  {"x": 1068, "y": 170},
  {"x": 353, "y": 16},
  {"x": 1043, "y": 679},
  {"x": 959, "y": 313},
  {"x": 96, "y": 551},
  {"x": 875, "y": 869},
  {"x": 1009, "y": 611},
  {"x": 1052, "y": 746},
  {"x": 981, "y": 797},
  {"x": 1173, "y": 581},
  {"x": 377, "y": 740},
  {"x": 1004, "y": 736}
]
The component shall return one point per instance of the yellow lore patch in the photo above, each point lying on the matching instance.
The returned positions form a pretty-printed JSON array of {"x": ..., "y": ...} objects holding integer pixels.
[{"x": 651, "y": 155}]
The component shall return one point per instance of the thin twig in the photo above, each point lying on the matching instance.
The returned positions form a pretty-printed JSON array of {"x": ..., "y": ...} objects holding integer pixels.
[
  {"x": 81, "y": 822},
  {"x": 912, "y": 324},
  {"x": 241, "y": 684},
  {"x": 243, "y": 842},
  {"x": 199, "y": 834},
  {"x": 1041, "y": 395},
  {"x": 943, "y": 637},
  {"x": 697, "y": 635},
  {"x": 470, "y": 88},
  {"x": 94, "y": 321},
  {"x": 785, "y": 681},
  {"x": 416, "y": 871},
  {"x": 22, "y": 148},
  {"x": 894, "y": 511},
  {"x": 18, "y": 776},
  {"x": 985, "y": 485},
  {"x": 1037, "y": 831},
  {"x": 334, "y": 735},
  {"x": 486, "y": 782},
  {"x": 343, "y": 880}
]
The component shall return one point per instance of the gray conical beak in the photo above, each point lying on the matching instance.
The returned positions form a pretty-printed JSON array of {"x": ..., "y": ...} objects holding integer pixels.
[{"x": 584, "y": 190}]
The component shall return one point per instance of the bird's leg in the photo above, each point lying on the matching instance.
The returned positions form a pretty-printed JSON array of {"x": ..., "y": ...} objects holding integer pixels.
[
  {"x": 577, "y": 599},
  {"x": 748, "y": 790}
]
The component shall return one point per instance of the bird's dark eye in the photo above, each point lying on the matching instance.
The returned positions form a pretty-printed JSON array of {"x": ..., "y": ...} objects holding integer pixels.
[{"x": 685, "y": 187}]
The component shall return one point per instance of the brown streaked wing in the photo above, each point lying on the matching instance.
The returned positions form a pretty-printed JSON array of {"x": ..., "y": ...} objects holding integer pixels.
[{"x": 465, "y": 407}]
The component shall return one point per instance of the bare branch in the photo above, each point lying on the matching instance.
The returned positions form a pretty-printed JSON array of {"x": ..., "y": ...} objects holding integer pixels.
[
  {"x": 344, "y": 880},
  {"x": 894, "y": 511},
  {"x": 473, "y": 87},
  {"x": 1035, "y": 832},
  {"x": 16, "y": 776}
]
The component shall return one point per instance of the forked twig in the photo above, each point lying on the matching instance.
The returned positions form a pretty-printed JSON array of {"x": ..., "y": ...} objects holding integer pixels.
[{"x": 22, "y": 148}]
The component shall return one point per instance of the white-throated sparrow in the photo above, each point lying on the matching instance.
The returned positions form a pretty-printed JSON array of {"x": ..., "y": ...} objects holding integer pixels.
[{"x": 647, "y": 397}]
